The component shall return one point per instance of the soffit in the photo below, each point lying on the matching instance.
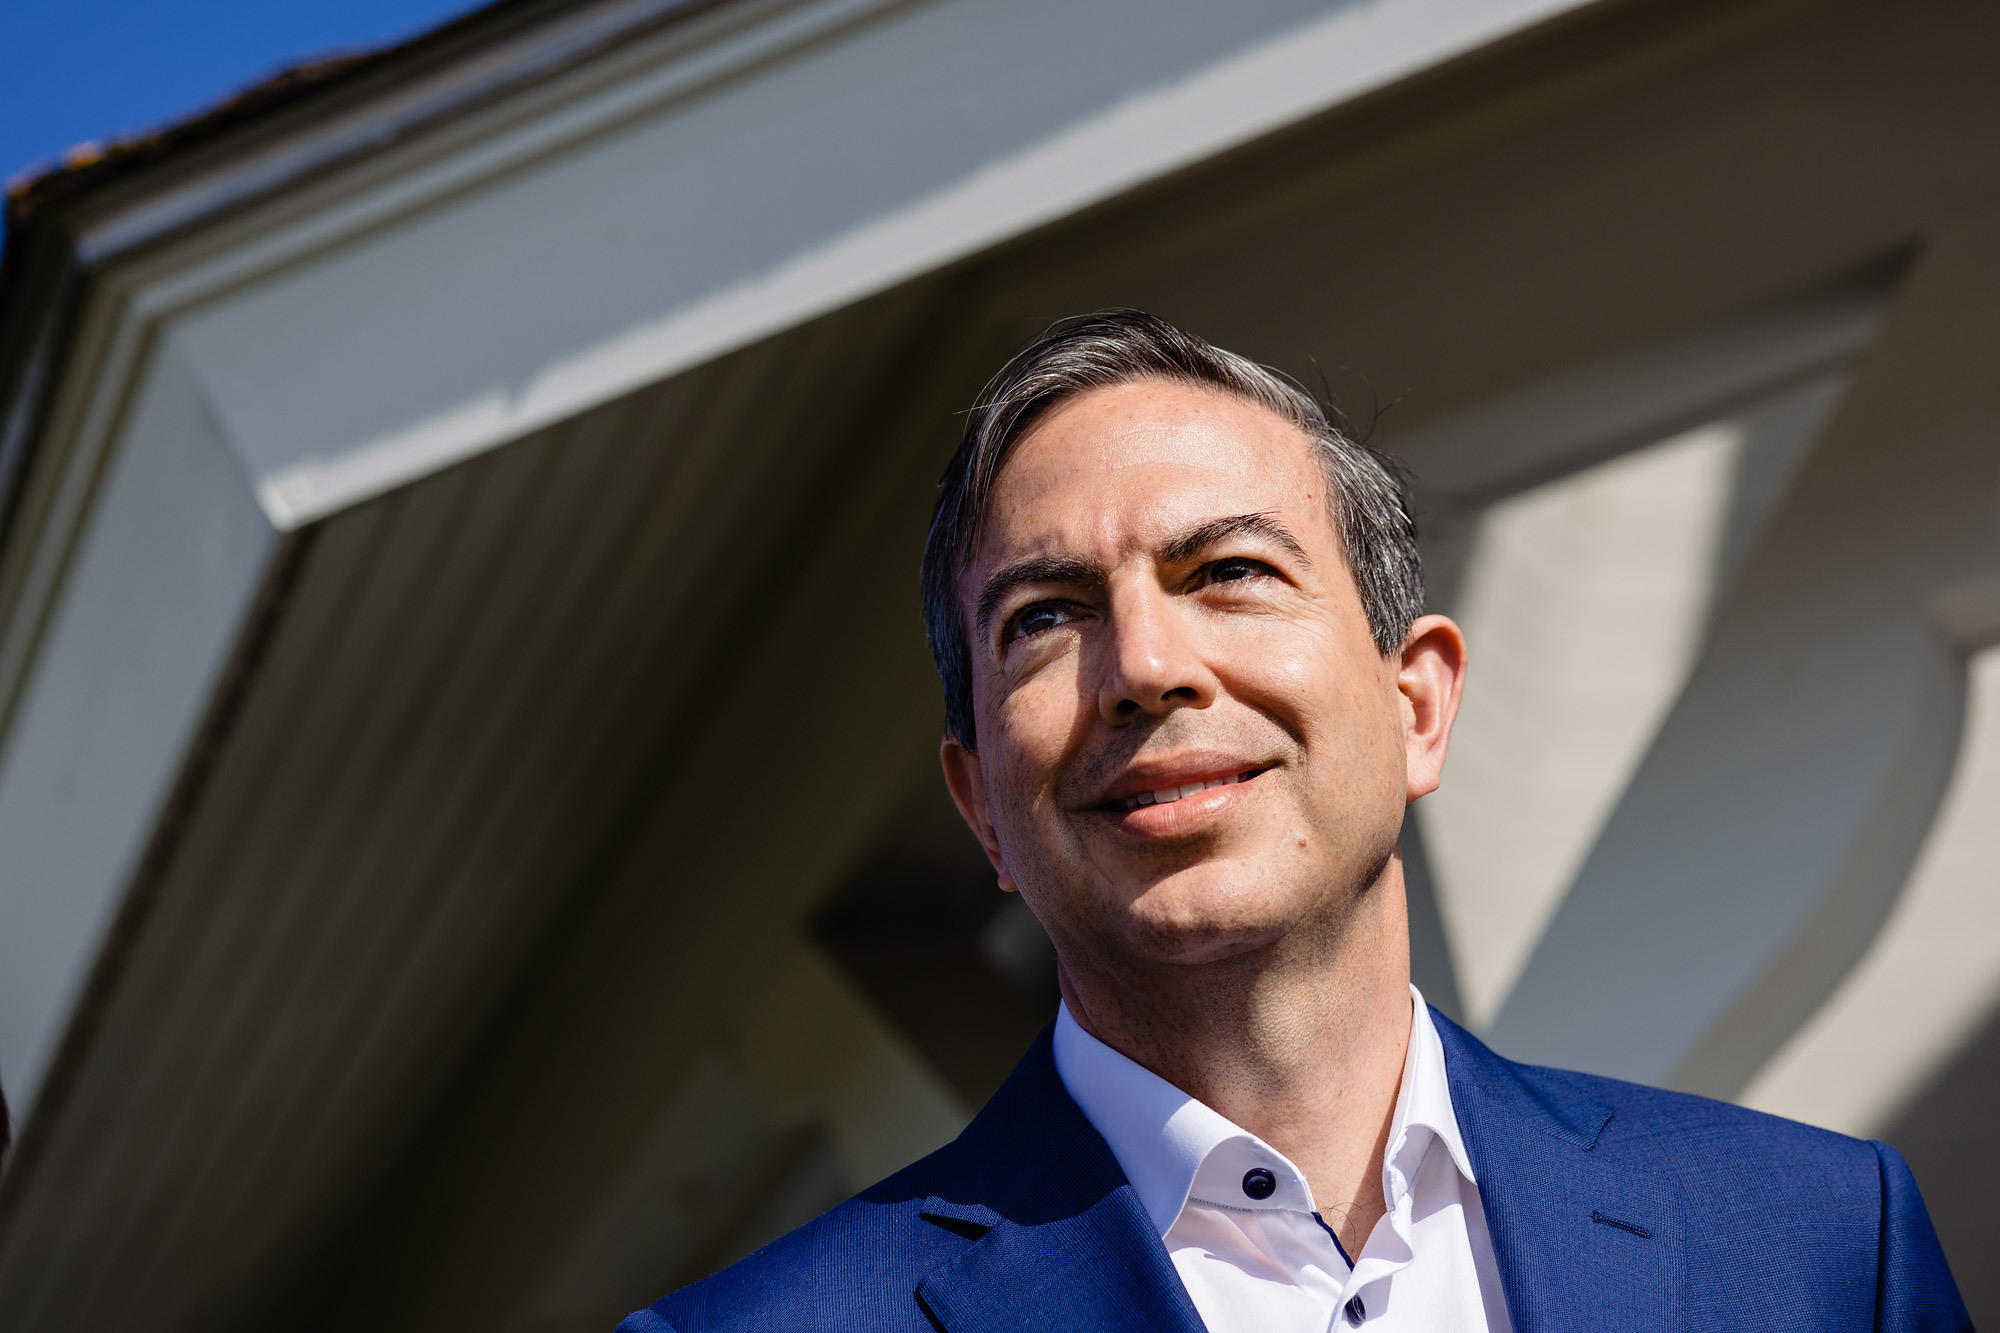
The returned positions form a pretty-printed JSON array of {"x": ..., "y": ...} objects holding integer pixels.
[
  {"x": 1638, "y": 173},
  {"x": 470, "y": 685}
]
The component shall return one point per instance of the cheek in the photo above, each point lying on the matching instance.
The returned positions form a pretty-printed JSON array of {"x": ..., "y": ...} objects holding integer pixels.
[
  {"x": 1023, "y": 736},
  {"x": 1038, "y": 712},
  {"x": 1294, "y": 670},
  {"x": 1339, "y": 702}
]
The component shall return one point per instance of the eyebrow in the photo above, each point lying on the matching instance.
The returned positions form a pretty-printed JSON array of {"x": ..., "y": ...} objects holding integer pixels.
[
  {"x": 1040, "y": 569},
  {"x": 1199, "y": 538},
  {"x": 1185, "y": 546}
]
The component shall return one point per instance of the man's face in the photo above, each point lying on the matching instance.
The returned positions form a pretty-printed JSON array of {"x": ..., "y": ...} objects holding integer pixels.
[{"x": 1189, "y": 744}]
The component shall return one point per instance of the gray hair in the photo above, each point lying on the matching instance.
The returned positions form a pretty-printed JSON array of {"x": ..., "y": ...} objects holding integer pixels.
[{"x": 1367, "y": 492}]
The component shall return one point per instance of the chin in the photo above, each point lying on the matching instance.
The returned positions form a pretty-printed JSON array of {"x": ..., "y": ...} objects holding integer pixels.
[{"x": 1190, "y": 925}]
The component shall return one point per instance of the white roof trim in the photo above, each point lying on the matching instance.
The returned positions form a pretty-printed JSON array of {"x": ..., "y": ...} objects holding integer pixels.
[{"x": 1354, "y": 49}]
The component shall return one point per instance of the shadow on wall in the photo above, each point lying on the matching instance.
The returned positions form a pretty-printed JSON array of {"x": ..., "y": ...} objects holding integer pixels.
[
  {"x": 960, "y": 970},
  {"x": 1947, "y": 1135}
]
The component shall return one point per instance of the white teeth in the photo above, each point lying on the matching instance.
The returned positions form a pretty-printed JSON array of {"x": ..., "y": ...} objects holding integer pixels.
[{"x": 1168, "y": 795}]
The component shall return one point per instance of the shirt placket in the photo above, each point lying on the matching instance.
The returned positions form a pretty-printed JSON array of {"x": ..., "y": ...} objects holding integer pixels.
[{"x": 1385, "y": 1255}]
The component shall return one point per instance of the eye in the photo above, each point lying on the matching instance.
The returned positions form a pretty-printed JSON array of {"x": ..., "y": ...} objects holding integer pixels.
[
  {"x": 1234, "y": 570},
  {"x": 1035, "y": 619}
]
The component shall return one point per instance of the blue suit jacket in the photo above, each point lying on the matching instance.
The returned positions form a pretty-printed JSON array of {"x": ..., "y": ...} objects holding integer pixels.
[{"x": 1612, "y": 1206}]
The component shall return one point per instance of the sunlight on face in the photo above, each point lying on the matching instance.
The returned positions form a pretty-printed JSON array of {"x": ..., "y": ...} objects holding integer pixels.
[{"x": 1189, "y": 743}]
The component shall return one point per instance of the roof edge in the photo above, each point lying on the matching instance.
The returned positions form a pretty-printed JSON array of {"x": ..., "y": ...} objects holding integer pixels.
[{"x": 48, "y": 267}]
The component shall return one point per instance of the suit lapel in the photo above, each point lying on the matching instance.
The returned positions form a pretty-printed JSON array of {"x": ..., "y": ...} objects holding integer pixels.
[
  {"x": 1584, "y": 1238},
  {"x": 1066, "y": 1243}
]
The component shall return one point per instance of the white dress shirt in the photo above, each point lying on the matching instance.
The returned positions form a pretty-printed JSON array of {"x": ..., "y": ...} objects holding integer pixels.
[{"x": 1269, "y": 1264}]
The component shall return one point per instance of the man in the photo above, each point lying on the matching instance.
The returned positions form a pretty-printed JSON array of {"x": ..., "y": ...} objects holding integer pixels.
[{"x": 1189, "y": 693}]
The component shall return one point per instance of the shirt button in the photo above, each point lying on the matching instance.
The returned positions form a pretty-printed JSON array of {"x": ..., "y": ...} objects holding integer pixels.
[
  {"x": 1259, "y": 1183},
  {"x": 1356, "y": 1311}
]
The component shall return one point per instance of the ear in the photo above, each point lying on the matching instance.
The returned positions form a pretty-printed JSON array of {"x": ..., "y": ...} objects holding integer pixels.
[
  {"x": 968, "y": 792},
  {"x": 1430, "y": 679}
]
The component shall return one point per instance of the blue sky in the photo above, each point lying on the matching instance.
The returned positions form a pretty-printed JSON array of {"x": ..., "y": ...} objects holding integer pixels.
[{"x": 76, "y": 70}]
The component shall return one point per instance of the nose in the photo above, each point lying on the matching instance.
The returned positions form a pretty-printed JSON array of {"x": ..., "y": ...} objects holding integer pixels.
[{"x": 1153, "y": 661}]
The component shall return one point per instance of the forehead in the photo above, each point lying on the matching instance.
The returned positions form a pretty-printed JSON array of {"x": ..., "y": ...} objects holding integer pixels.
[{"x": 1118, "y": 468}]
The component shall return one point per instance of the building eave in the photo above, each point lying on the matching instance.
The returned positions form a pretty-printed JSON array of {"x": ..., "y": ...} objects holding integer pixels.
[{"x": 306, "y": 121}]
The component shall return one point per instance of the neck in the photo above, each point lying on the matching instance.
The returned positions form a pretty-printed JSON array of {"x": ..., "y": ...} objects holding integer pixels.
[{"x": 1301, "y": 1042}]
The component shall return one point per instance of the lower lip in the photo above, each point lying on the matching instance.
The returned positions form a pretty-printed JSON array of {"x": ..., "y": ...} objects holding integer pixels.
[{"x": 1187, "y": 817}]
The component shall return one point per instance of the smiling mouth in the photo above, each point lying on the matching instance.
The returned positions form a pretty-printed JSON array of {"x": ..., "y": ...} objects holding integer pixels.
[{"x": 1168, "y": 795}]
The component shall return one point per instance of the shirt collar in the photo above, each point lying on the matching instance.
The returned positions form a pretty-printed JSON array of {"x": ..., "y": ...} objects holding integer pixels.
[
  {"x": 1424, "y": 1101},
  {"x": 1167, "y": 1143}
]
